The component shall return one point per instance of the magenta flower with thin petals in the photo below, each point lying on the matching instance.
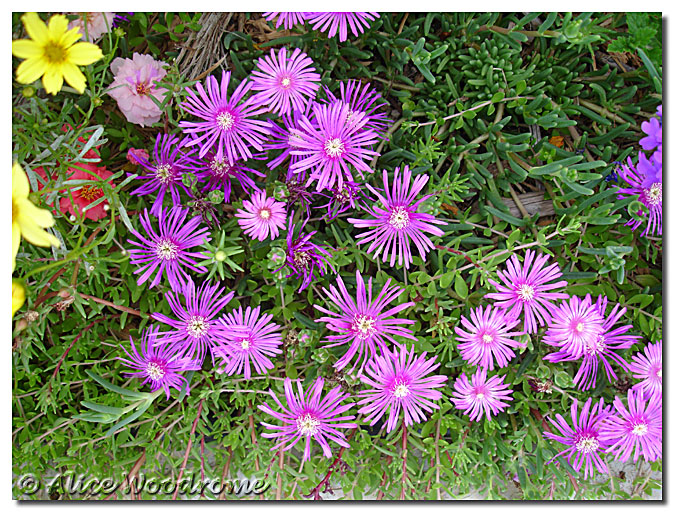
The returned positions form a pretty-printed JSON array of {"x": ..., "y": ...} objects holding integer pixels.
[
  {"x": 262, "y": 216},
  {"x": 488, "y": 337},
  {"x": 366, "y": 324},
  {"x": 362, "y": 99},
  {"x": 636, "y": 430},
  {"x": 400, "y": 221},
  {"x": 482, "y": 395},
  {"x": 309, "y": 416},
  {"x": 229, "y": 125},
  {"x": 645, "y": 185},
  {"x": 584, "y": 440},
  {"x": 304, "y": 257},
  {"x": 575, "y": 325},
  {"x": 286, "y": 83},
  {"x": 287, "y": 19},
  {"x": 195, "y": 328},
  {"x": 400, "y": 383},
  {"x": 249, "y": 338},
  {"x": 648, "y": 367},
  {"x": 281, "y": 138},
  {"x": 167, "y": 251},
  {"x": 341, "y": 22},
  {"x": 343, "y": 198},
  {"x": 171, "y": 159},
  {"x": 161, "y": 366},
  {"x": 332, "y": 144},
  {"x": 527, "y": 288}
]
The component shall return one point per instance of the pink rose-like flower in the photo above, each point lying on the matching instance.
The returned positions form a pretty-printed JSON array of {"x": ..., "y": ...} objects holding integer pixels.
[
  {"x": 134, "y": 84},
  {"x": 98, "y": 23},
  {"x": 134, "y": 153}
]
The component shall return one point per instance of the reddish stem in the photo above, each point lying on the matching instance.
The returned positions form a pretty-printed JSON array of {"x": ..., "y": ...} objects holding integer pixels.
[
  {"x": 187, "y": 451},
  {"x": 112, "y": 305}
]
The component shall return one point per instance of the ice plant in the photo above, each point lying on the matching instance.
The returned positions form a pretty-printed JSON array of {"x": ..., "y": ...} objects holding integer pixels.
[
  {"x": 365, "y": 324},
  {"x": 644, "y": 183},
  {"x": 304, "y": 257},
  {"x": 339, "y": 23},
  {"x": 331, "y": 146},
  {"x": 249, "y": 339},
  {"x": 287, "y": 19},
  {"x": 575, "y": 325},
  {"x": 400, "y": 383},
  {"x": 92, "y": 25},
  {"x": 527, "y": 288},
  {"x": 285, "y": 82},
  {"x": 648, "y": 367},
  {"x": 583, "y": 439},
  {"x": 487, "y": 338},
  {"x": 170, "y": 159},
  {"x": 262, "y": 216},
  {"x": 53, "y": 53},
  {"x": 341, "y": 199},
  {"x": 166, "y": 250},
  {"x": 159, "y": 365},
  {"x": 281, "y": 138},
  {"x": 28, "y": 220},
  {"x": 636, "y": 430},
  {"x": 195, "y": 327},
  {"x": 400, "y": 220},
  {"x": 481, "y": 395},
  {"x": 226, "y": 124},
  {"x": 219, "y": 173},
  {"x": 135, "y": 88},
  {"x": 309, "y": 416},
  {"x": 362, "y": 99}
]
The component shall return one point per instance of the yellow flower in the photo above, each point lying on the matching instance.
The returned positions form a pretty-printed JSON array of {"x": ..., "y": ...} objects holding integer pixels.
[
  {"x": 53, "y": 54},
  {"x": 18, "y": 295},
  {"x": 27, "y": 219}
]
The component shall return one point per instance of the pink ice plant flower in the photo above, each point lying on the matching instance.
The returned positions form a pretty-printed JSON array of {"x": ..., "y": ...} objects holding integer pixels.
[
  {"x": 648, "y": 367},
  {"x": 339, "y": 23},
  {"x": 481, "y": 396},
  {"x": 287, "y": 19},
  {"x": 487, "y": 338},
  {"x": 400, "y": 383},
  {"x": 400, "y": 220},
  {"x": 92, "y": 24},
  {"x": 366, "y": 324},
  {"x": 285, "y": 82},
  {"x": 575, "y": 325},
  {"x": 262, "y": 216},
  {"x": 309, "y": 416},
  {"x": 135, "y": 84},
  {"x": 528, "y": 287}
]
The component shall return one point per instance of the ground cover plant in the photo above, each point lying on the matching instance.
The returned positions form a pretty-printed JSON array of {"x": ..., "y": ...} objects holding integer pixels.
[{"x": 310, "y": 255}]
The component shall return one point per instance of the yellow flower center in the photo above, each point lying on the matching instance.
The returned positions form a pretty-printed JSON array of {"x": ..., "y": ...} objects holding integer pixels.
[
  {"x": 55, "y": 53},
  {"x": 90, "y": 192},
  {"x": 142, "y": 89}
]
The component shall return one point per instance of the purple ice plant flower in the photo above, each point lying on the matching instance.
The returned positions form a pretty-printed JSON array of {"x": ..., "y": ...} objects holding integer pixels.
[
  {"x": 584, "y": 440},
  {"x": 648, "y": 367},
  {"x": 654, "y": 138},
  {"x": 285, "y": 83},
  {"x": 171, "y": 159},
  {"x": 159, "y": 365},
  {"x": 330, "y": 145},
  {"x": 166, "y": 251},
  {"x": 341, "y": 199},
  {"x": 287, "y": 19},
  {"x": 296, "y": 192},
  {"x": 400, "y": 221},
  {"x": 310, "y": 416},
  {"x": 636, "y": 430},
  {"x": 262, "y": 216},
  {"x": 339, "y": 23},
  {"x": 195, "y": 328},
  {"x": 248, "y": 339},
  {"x": 644, "y": 183},
  {"x": 304, "y": 257},
  {"x": 481, "y": 395},
  {"x": 487, "y": 338},
  {"x": 228, "y": 124},
  {"x": 400, "y": 382},
  {"x": 282, "y": 138},
  {"x": 362, "y": 99},
  {"x": 528, "y": 287},
  {"x": 574, "y": 326},
  {"x": 365, "y": 324}
]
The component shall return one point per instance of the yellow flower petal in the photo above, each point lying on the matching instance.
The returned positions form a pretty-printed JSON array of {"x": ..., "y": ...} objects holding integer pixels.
[
  {"x": 53, "y": 79},
  {"x": 31, "y": 214},
  {"x": 74, "y": 76},
  {"x": 70, "y": 37},
  {"x": 25, "y": 49},
  {"x": 20, "y": 185},
  {"x": 58, "y": 25},
  {"x": 37, "y": 236},
  {"x": 83, "y": 54},
  {"x": 36, "y": 28},
  {"x": 16, "y": 241},
  {"x": 18, "y": 295},
  {"x": 30, "y": 70}
]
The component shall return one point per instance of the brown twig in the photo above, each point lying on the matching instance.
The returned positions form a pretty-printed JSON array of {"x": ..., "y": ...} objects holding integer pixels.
[
  {"x": 112, "y": 305},
  {"x": 187, "y": 451},
  {"x": 380, "y": 494},
  {"x": 226, "y": 471},
  {"x": 324, "y": 482},
  {"x": 404, "y": 450}
]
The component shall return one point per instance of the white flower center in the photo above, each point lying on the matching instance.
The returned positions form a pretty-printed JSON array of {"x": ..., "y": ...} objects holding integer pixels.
[
  {"x": 401, "y": 390},
  {"x": 219, "y": 168},
  {"x": 596, "y": 346},
  {"x": 334, "y": 147},
  {"x": 487, "y": 338},
  {"x": 525, "y": 292},
  {"x": 155, "y": 371},
  {"x": 166, "y": 250},
  {"x": 399, "y": 218},
  {"x": 308, "y": 424},
  {"x": 364, "y": 326},
  {"x": 164, "y": 173},
  {"x": 658, "y": 373},
  {"x": 197, "y": 326},
  {"x": 225, "y": 120},
  {"x": 480, "y": 395},
  {"x": 301, "y": 259},
  {"x": 654, "y": 194},
  {"x": 579, "y": 327},
  {"x": 265, "y": 213},
  {"x": 285, "y": 82},
  {"x": 640, "y": 429},
  {"x": 587, "y": 444},
  {"x": 245, "y": 343}
]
